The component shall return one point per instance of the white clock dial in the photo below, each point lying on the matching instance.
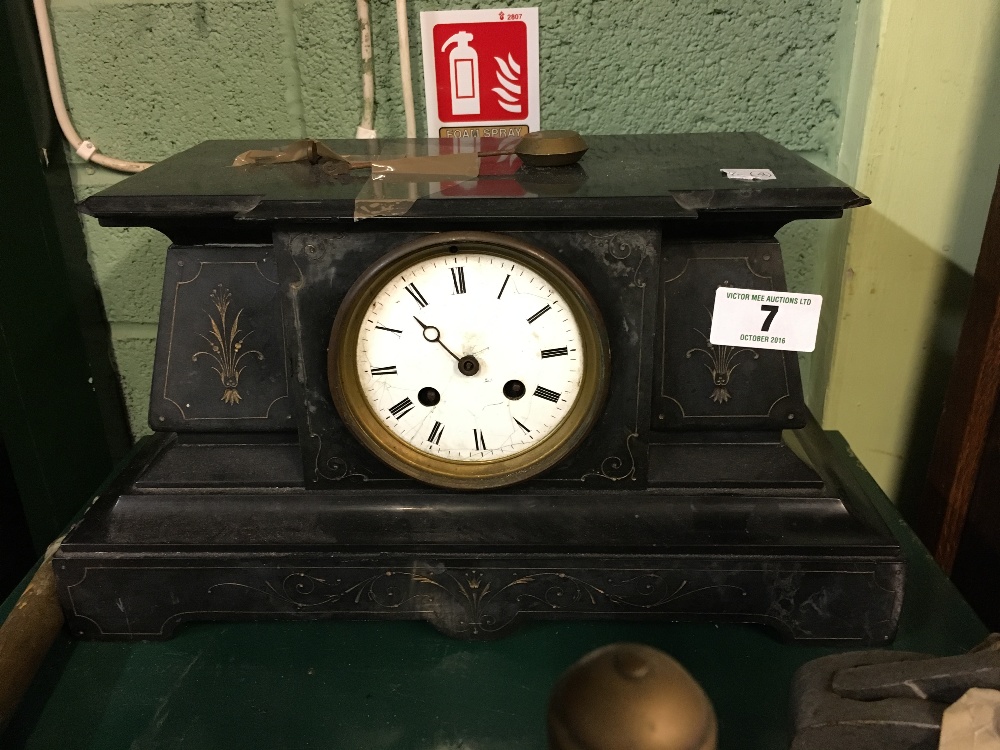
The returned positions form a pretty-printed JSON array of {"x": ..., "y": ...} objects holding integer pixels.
[
  {"x": 468, "y": 360},
  {"x": 470, "y": 356}
]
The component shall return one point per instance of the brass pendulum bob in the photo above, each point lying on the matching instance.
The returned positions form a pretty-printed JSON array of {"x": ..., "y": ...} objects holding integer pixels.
[{"x": 551, "y": 148}]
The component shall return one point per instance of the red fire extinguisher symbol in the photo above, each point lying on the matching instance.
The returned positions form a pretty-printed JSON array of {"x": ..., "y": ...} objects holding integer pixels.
[
  {"x": 481, "y": 71},
  {"x": 463, "y": 64}
]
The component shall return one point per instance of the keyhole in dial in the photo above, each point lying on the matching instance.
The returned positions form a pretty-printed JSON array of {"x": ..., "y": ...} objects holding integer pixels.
[
  {"x": 429, "y": 396},
  {"x": 513, "y": 389}
]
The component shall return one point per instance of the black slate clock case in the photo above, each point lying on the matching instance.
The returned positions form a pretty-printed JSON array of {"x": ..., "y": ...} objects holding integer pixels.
[{"x": 705, "y": 491}]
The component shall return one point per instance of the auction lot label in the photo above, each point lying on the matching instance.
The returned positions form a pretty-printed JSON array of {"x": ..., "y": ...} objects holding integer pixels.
[{"x": 757, "y": 319}]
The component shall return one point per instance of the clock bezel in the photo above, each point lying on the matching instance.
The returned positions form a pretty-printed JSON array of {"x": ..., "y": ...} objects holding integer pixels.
[{"x": 368, "y": 427}]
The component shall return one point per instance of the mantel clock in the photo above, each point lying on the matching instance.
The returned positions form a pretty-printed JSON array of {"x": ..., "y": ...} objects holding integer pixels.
[{"x": 476, "y": 399}]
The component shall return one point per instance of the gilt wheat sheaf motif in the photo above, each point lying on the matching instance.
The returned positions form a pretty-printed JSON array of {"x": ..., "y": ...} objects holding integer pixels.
[
  {"x": 721, "y": 363},
  {"x": 226, "y": 345}
]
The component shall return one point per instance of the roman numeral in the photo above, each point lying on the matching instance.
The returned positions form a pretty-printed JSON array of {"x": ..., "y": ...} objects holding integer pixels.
[
  {"x": 560, "y": 352},
  {"x": 415, "y": 293},
  {"x": 522, "y": 426},
  {"x": 391, "y": 370},
  {"x": 504, "y": 286},
  {"x": 390, "y": 330},
  {"x": 480, "y": 441},
  {"x": 436, "y": 431},
  {"x": 401, "y": 409},
  {"x": 547, "y": 394},
  {"x": 539, "y": 314},
  {"x": 458, "y": 279}
]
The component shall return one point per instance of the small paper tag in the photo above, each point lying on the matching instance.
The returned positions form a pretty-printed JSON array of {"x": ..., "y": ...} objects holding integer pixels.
[
  {"x": 749, "y": 174},
  {"x": 759, "y": 319}
]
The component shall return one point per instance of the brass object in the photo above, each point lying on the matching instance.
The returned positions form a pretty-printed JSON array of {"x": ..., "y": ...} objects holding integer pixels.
[
  {"x": 27, "y": 635},
  {"x": 629, "y": 696},
  {"x": 551, "y": 148},
  {"x": 370, "y": 429}
]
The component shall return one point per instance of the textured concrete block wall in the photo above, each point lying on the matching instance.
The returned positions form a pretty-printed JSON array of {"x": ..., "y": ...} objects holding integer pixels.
[{"x": 147, "y": 78}]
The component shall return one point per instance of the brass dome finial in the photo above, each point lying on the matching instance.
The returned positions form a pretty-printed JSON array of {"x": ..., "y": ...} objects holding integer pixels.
[{"x": 629, "y": 696}]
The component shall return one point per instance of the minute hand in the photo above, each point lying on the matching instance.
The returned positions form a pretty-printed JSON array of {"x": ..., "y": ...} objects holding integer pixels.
[{"x": 432, "y": 334}]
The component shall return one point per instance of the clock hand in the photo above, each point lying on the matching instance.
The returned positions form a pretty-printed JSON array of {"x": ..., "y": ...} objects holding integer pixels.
[
  {"x": 467, "y": 365},
  {"x": 432, "y": 334}
]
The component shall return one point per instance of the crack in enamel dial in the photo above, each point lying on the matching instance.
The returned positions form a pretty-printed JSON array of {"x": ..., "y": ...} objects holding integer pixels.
[{"x": 469, "y": 360}]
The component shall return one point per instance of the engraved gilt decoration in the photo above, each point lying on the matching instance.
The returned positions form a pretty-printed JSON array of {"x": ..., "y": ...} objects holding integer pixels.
[
  {"x": 722, "y": 362},
  {"x": 226, "y": 345},
  {"x": 619, "y": 250},
  {"x": 479, "y": 601}
]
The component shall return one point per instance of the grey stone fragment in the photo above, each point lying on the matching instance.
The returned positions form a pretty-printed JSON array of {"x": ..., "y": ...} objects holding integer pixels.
[
  {"x": 884, "y": 700},
  {"x": 827, "y": 721},
  {"x": 890, "y": 712},
  {"x": 812, "y": 700},
  {"x": 846, "y": 737},
  {"x": 938, "y": 679}
]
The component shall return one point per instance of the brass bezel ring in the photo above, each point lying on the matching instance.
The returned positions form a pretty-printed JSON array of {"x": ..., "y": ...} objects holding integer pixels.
[{"x": 356, "y": 412}]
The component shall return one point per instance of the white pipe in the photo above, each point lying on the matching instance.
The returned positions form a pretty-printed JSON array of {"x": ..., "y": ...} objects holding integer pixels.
[
  {"x": 85, "y": 149},
  {"x": 367, "y": 127},
  {"x": 402, "y": 26}
]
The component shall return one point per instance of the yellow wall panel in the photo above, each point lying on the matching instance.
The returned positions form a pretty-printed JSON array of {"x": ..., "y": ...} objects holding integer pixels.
[{"x": 928, "y": 159}]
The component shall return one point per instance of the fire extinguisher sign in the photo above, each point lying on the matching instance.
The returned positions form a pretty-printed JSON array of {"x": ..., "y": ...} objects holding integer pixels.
[{"x": 481, "y": 72}]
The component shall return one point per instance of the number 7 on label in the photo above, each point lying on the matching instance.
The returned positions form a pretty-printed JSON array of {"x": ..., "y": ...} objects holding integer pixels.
[{"x": 771, "y": 311}]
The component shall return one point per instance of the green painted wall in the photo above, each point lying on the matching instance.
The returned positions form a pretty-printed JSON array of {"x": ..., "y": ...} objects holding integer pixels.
[{"x": 146, "y": 79}]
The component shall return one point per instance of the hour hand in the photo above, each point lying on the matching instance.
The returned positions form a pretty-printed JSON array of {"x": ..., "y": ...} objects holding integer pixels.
[{"x": 433, "y": 335}]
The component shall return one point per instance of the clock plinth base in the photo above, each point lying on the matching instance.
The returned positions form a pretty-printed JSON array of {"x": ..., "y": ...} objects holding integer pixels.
[{"x": 165, "y": 546}]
